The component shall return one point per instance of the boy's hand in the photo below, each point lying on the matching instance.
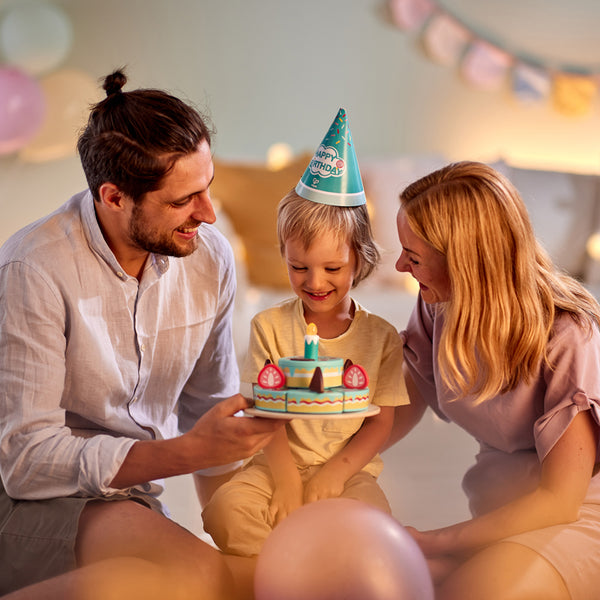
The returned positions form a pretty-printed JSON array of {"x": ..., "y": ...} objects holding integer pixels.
[
  {"x": 325, "y": 483},
  {"x": 286, "y": 499}
]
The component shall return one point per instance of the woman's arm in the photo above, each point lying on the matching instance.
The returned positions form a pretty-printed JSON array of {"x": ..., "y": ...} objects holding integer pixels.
[
  {"x": 406, "y": 416},
  {"x": 330, "y": 479},
  {"x": 565, "y": 477}
]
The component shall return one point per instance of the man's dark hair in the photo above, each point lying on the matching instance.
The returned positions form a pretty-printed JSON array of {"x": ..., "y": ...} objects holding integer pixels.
[{"x": 132, "y": 139}]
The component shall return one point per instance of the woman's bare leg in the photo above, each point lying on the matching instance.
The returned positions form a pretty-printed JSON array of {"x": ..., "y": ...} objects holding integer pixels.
[{"x": 504, "y": 571}]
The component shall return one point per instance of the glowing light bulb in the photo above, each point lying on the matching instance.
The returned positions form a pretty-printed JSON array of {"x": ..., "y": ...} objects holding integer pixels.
[
  {"x": 593, "y": 246},
  {"x": 278, "y": 156}
]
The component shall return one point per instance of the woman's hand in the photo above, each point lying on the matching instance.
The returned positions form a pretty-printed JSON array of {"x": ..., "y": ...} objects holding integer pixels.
[{"x": 440, "y": 561}]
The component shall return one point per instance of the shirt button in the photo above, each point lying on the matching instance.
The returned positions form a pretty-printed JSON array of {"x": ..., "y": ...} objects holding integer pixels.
[
  {"x": 143, "y": 347},
  {"x": 120, "y": 274}
]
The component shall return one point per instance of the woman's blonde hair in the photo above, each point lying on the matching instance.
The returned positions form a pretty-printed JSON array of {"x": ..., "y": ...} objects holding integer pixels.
[
  {"x": 298, "y": 218},
  {"x": 505, "y": 290}
]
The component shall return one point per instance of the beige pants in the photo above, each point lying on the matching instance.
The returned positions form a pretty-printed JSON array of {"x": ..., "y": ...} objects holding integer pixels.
[{"x": 237, "y": 516}]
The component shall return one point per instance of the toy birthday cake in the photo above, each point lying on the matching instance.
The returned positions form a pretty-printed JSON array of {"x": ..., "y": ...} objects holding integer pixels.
[{"x": 311, "y": 384}]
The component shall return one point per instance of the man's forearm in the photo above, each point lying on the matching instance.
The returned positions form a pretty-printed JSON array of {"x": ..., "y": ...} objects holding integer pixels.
[{"x": 154, "y": 459}]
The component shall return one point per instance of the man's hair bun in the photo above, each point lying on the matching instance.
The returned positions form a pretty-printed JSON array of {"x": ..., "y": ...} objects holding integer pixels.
[{"x": 114, "y": 82}]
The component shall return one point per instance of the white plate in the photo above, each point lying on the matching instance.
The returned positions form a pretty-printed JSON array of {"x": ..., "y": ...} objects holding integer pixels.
[{"x": 372, "y": 410}]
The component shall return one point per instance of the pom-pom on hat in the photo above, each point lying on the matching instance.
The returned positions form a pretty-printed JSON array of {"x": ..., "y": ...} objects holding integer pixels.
[{"x": 332, "y": 176}]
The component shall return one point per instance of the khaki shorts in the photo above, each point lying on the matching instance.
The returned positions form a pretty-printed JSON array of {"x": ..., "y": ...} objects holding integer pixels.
[
  {"x": 237, "y": 516},
  {"x": 37, "y": 538}
]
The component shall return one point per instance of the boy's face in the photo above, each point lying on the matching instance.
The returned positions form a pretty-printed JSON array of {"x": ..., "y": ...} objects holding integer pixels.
[{"x": 322, "y": 275}]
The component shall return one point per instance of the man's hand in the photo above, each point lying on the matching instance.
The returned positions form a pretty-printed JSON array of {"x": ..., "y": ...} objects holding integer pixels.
[{"x": 219, "y": 437}]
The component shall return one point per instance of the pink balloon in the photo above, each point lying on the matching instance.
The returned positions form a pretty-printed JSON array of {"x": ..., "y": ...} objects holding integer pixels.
[
  {"x": 22, "y": 109},
  {"x": 341, "y": 549}
]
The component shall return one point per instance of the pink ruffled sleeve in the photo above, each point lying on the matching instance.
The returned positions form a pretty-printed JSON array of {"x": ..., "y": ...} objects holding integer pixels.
[{"x": 573, "y": 383}]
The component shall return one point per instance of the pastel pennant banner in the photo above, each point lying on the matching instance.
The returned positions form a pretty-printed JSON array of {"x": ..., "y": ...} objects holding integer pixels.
[{"x": 488, "y": 66}]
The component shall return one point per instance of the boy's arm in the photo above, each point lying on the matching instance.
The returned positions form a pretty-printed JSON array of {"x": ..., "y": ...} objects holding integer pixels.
[
  {"x": 287, "y": 490},
  {"x": 329, "y": 481}
]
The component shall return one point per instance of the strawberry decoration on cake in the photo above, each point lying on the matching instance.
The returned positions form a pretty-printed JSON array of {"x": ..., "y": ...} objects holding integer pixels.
[
  {"x": 271, "y": 377},
  {"x": 355, "y": 377}
]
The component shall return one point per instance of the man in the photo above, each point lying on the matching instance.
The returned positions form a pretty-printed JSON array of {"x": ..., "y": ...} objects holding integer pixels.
[{"x": 117, "y": 367}]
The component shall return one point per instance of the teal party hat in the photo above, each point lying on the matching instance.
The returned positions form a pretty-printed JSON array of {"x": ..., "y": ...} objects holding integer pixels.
[{"x": 332, "y": 176}]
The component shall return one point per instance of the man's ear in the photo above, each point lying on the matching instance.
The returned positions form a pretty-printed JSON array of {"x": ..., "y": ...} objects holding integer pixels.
[{"x": 111, "y": 196}]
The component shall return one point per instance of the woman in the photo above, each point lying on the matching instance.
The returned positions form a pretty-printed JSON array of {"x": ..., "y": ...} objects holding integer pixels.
[{"x": 509, "y": 349}]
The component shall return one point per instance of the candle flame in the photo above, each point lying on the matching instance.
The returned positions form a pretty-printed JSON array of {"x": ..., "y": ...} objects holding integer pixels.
[{"x": 311, "y": 329}]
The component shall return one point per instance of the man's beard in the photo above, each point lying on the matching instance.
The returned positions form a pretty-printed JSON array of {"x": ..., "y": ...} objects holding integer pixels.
[{"x": 151, "y": 240}]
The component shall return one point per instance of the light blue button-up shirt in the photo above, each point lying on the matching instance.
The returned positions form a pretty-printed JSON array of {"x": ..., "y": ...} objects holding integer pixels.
[{"x": 92, "y": 360}]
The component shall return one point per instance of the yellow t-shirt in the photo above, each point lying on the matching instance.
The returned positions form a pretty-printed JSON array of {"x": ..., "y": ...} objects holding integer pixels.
[{"x": 370, "y": 341}]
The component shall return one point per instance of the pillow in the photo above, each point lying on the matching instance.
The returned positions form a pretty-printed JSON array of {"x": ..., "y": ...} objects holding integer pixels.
[
  {"x": 384, "y": 179},
  {"x": 561, "y": 207},
  {"x": 249, "y": 195}
]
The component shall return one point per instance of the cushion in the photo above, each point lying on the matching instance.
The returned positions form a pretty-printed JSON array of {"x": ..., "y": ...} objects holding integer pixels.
[
  {"x": 562, "y": 211},
  {"x": 384, "y": 179},
  {"x": 249, "y": 194}
]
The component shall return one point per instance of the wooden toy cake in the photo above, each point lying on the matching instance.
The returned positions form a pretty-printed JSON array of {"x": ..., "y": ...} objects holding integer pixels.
[{"x": 312, "y": 384}]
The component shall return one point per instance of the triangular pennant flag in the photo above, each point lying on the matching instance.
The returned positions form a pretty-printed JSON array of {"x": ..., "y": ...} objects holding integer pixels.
[
  {"x": 444, "y": 39},
  {"x": 530, "y": 84},
  {"x": 410, "y": 14},
  {"x": 573, "y": 94},
  {"x": 485, "y": 66}
]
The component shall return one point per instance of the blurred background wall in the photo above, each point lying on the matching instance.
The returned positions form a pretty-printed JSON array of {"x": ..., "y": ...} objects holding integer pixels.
[{"x": 276, "y": 71}]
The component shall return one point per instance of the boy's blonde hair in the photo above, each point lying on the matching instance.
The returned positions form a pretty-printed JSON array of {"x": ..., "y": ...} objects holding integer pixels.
[
  {"x": 298, "y": 218},
  {"x": 505, "y": 291}
]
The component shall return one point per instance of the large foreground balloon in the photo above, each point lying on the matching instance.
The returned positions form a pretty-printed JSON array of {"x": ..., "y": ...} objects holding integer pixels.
[{"x": 341, "y": 549}]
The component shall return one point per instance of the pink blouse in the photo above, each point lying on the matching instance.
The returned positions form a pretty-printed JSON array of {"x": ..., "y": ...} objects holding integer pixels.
[{"x": 516, "y": 430}]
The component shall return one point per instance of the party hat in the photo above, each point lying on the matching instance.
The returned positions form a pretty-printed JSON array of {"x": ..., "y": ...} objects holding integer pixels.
[{"x": 332, "y": 176}]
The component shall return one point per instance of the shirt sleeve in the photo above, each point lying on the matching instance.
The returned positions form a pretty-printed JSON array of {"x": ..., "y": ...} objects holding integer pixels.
[
  {"x": 258, "y": 350},
  {"x": 572, "y": 383},
  {"x": 39, "y": 456}
]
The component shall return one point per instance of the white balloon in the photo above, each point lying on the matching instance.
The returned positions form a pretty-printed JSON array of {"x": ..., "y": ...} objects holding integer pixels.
[
  {"x": 35, "y": 36},
  {"x": 69, "y": 94}
]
